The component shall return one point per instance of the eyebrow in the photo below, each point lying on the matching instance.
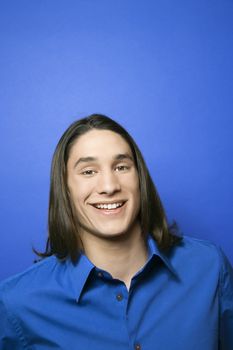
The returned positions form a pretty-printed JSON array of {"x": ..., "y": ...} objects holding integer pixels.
[{"x": 121, "y": 156}]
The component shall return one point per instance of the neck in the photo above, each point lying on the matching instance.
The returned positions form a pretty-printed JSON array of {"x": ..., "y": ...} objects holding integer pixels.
[{"x": 121, "y": 256}]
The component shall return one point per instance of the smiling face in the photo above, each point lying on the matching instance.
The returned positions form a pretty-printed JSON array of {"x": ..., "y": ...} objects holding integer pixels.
[{"x": 103, "y": 184}]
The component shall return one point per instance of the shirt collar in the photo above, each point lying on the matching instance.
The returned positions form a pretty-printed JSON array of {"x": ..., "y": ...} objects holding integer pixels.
[
  {"x": 79, "y": 273},
  {"x": 81, "y": 270},
  {"x": 155, "y": 251}
]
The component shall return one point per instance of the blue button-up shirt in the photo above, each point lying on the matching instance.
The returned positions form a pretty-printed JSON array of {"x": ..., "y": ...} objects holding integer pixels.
[{"x": 178, "y": 301}]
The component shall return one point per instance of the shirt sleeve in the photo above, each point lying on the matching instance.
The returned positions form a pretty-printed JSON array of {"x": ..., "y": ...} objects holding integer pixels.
[
  {"x": 9, "y": 339},
  {"x": 226, "y": 304}
]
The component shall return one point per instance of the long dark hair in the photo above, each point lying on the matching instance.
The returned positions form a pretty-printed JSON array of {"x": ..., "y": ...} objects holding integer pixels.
[{"x": 63, "y": 225}]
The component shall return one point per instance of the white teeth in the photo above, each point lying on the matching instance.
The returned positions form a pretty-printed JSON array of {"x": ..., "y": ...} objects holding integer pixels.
[{"x": 108, "y": 206}]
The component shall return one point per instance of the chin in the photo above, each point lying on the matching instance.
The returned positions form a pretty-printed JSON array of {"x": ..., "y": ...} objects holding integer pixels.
[
  {"x": 110, "y": 234},
  {"x": 106, "y": 233},
  {"x": 111, "y": 231}
]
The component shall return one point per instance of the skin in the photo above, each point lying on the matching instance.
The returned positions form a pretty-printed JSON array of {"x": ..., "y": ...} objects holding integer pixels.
[{"x": 101, "y": 170}]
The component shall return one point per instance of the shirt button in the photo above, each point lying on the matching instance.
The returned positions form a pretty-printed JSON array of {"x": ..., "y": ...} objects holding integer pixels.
[
  {"x": 137, "y": 347},
  {"x": 100, "y": 274},
  {"x": 119, "y": 297}
]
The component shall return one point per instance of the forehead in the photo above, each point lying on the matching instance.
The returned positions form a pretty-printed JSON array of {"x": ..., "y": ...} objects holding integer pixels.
[{"x": 99, "y": 143}]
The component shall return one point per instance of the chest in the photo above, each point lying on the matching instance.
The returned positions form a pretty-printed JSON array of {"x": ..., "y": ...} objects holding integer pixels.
[{"x": 158, "y": 313}]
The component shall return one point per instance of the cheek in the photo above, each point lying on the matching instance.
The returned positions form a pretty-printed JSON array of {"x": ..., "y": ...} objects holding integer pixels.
[
  {"x": 135, "y": 189},
  {"x": 138, "y": 194},
  {"x": 81, "y": 193},
  {"x": 135, "y": 184}
]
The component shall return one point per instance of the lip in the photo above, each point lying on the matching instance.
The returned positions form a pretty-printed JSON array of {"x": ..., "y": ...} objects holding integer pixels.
[
  {"x": 111, "y": 211},
  {"x": 109, "y": 202}
]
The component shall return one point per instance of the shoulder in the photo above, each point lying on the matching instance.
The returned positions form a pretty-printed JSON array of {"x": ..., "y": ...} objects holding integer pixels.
[
  {"x": 22, "y": 296},
  {"x": 18, "y": 287},
  {"x": 200, "y": 257},
  {"x": 196, "y": 248}
]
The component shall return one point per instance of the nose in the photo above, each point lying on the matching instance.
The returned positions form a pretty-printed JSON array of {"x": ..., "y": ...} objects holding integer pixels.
[{"x": 108, "y": 183}]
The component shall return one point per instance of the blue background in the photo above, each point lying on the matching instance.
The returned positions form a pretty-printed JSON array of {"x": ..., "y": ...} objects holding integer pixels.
[{"x": 161, "y": 68}]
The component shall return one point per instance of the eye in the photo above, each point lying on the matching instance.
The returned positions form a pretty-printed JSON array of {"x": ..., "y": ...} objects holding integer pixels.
[
  {"x": 88, "y": 172},
  {"x": 122, "y": 168}
]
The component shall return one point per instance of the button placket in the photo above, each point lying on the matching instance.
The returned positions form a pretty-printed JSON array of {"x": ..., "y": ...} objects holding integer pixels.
[{"x": 119, "y": 297}]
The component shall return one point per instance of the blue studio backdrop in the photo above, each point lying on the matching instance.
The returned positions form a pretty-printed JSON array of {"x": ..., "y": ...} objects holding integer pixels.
[{"x": 163, "y": 69}]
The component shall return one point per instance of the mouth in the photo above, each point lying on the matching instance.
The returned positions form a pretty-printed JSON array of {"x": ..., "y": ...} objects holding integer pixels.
[{"x": 109, "y": 206}]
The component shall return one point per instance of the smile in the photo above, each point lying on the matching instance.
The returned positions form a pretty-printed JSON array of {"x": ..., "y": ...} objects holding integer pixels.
[{"x": 108, "y": 206}]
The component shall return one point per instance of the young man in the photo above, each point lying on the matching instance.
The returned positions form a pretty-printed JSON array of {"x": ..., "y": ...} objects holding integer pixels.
[{"x": 114, "y": 275}]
